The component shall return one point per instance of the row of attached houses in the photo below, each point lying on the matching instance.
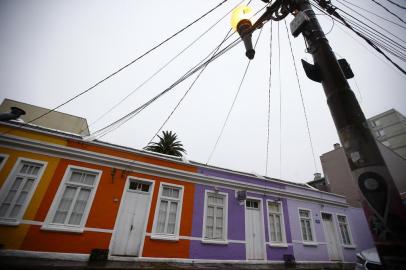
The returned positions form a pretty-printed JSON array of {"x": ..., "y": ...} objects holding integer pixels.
[{"x": 63, "y": 197}]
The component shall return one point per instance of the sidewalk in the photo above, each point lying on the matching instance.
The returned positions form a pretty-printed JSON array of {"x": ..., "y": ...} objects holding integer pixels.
[{"x": 14, "y": 263}]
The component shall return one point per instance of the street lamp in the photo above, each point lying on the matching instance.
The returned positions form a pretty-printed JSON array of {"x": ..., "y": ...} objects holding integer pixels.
[
  {"x": 381, "y": 199},
  {"x": 240, "y": 22}
]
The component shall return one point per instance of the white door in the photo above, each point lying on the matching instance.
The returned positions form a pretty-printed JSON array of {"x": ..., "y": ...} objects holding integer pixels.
[
  {"x": 331, "y": 237},
  {"x": 254, "y": 230},
  {"x": 133, "y": 217}
]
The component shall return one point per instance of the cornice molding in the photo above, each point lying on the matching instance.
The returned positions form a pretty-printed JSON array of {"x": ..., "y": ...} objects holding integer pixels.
[{"x": 66, "y": 152}]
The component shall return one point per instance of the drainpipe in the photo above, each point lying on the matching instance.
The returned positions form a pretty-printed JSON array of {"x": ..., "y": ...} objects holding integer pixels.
[{"x": 14, "y": 114}]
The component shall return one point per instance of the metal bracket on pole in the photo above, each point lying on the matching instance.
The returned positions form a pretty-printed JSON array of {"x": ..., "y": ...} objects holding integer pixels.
[{"x": 312, "y": 71}]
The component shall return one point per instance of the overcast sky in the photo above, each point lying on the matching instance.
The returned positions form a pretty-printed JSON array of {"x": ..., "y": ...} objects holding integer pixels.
[{"x": 50, "y": 50}]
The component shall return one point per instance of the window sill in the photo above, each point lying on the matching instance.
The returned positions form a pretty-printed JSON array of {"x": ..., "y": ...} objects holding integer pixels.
[
  {"x": 278, "y": 245},
  {"x": 173, "y": 238},
  {"x": 9, "y": 222},
  {"x": 214, "y": 242},
  {"x": 350, "y": 246},
  {"x": 312, "y": 244},
  {"x": 56, "y": 228}
]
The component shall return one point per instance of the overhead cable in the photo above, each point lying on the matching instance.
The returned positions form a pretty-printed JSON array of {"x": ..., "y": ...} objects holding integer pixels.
[
  {"x": 396, "y": 4},
  {"x": 269, "y": 101},
  {"x": 163, "y": 67},
  {"x": 301, "y": 98},
  {"x": 232, "y": 105},
  {"x": 345, "y": 23},
  {"x": 385, "y": 8},
  {"x": 190, "y": 87},
  {"x": 122, "y": 68}
]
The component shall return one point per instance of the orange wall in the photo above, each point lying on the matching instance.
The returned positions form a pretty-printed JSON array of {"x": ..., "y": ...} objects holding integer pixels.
[
  {"x": 103, "y": 214},
  {"x": 40, "y": 240}
]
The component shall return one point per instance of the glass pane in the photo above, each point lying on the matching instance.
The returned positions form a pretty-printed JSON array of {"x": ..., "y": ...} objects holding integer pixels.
[
  {"x": 209, "y": 232},
  {"x": 219, "y": 233},
  {"x": 304, "y": 213},
  {"x": 3, "y": 209},
  {"x": 15, "y": 210},
  {"x": 273, "y": 207},
  {"x": 166, "y": 192},
  {"x": 219, "y": 213},
  {"x": 172, "y": 217},
  {"x": 22, "y": 197},
  {"x": 76, "y": 177},
  {"x": 302, "y": 225},
  {"x": 10, "y": 196},
  {"x": 210, "y": 211},
  {"x": 278, "y": 231},
  {"x": 309, "y": 230},
  {"x": 64, "y": 205},
  {"x": 272, "y": 227},
  {"x": 89, "y": 179},
  {"x": 145, "y": 187},
  {"x": 35, "y": 170},
  {"x": 162, "y": 216},
  {"x": 220, "y": 200},
  {"x": 79, "y": 207},
  {"x": 211, "y": 199},
  {"x": 24, "y": 169},
  {"x": 175, "y": 193},
  {"x": 16, "y": 183},
  {"x": 28, "y": 184},
  {"x": 341, "y": 219}
]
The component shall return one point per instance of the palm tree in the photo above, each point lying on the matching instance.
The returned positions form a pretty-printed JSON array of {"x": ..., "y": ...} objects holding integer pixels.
[{"x": 168, "y": 144}]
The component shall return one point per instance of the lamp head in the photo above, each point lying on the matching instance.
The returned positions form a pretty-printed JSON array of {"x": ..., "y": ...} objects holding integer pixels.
[{"x": 240, "y": 22}]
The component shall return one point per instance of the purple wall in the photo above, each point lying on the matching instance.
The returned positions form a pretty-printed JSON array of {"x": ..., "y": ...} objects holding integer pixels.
[
  {"x": 236, "y": 228},
  {"x": 236, "y": 224}
]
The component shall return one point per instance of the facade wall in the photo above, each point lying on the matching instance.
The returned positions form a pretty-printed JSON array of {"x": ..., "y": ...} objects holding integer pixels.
[{"x": 99, "y": 228}]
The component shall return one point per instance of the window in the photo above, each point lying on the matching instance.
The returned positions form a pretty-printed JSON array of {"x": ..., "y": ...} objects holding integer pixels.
[
  {"x": 18, "y": 189},
  {"x": 252, "y": 204},
  {"x": 73, "y": 199},
  {"x": 306, "y": 225},
  {"x": 167, "y": 214},
  {"x": 215, "y": 217},
  {"x": 276, "y": 224},
  {"x": 344, "y": 231}
]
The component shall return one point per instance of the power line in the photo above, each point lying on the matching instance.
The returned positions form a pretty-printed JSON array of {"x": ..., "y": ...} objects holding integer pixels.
[
  {"x": 232, "y": 105},
  {"x": 301, "y": 97},
  {"x": 385, "y": 8},
  {"x": 190, "y": 87},
  {"x": 345, "y": 23},
  {"x": 117, "y": 123},
  {"x": 370, "y": 12},
  {"x": 280, "y": 103},
  {"x": 269, "y": 100},
  {"x": 163, "y": 67},
  {"x": 120, "y": 69},
  {"x": 396, "y": 4}
]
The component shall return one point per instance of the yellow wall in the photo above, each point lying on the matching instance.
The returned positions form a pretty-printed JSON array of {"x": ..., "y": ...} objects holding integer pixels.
[
  {"x": 12, "y": 236},
  {"x": 31, "y": 135}
]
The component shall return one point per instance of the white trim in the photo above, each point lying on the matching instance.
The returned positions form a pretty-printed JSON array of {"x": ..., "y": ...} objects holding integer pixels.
[
  {"x": 48, "y": 225},
  {"x": 5, "y": 156},
  {"x": 341, "y": 255},
  {"x": 121, "y": 207},
  {"x": 169, "y": 237},
  {"x": 10, "y": 180},
  {"x": 283, "y": 232},
  {"x": 223, "y": 241},
  {"x": 155, "y": 170},
  {"x": 192, "y": 238},
  {"x": 261, "y": 209},
  {"x": 307, "y": 243},
  {"x": 352, "y": 244},
  {"x": 313, "y": 231}
]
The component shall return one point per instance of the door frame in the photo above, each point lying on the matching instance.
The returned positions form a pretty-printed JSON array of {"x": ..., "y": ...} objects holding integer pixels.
[
  {"x": 261, "y": 210},
  {"x": 338, "y": 242},
  {"x": 121, "y": 209}
]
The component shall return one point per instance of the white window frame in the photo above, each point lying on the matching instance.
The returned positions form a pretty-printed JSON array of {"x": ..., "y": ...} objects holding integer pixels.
[
  {"x": 225, "y": 218},
  {"x": 283, "y": 231},
  {"x": 48, "y": 225},
  {"x": 8, "y": 183},
  {"x": 5, "y": 156},
  {"x": 351, "y": 245},
  {"x": 313, "y": 231},
  {"x": 175, "y": 235}
]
